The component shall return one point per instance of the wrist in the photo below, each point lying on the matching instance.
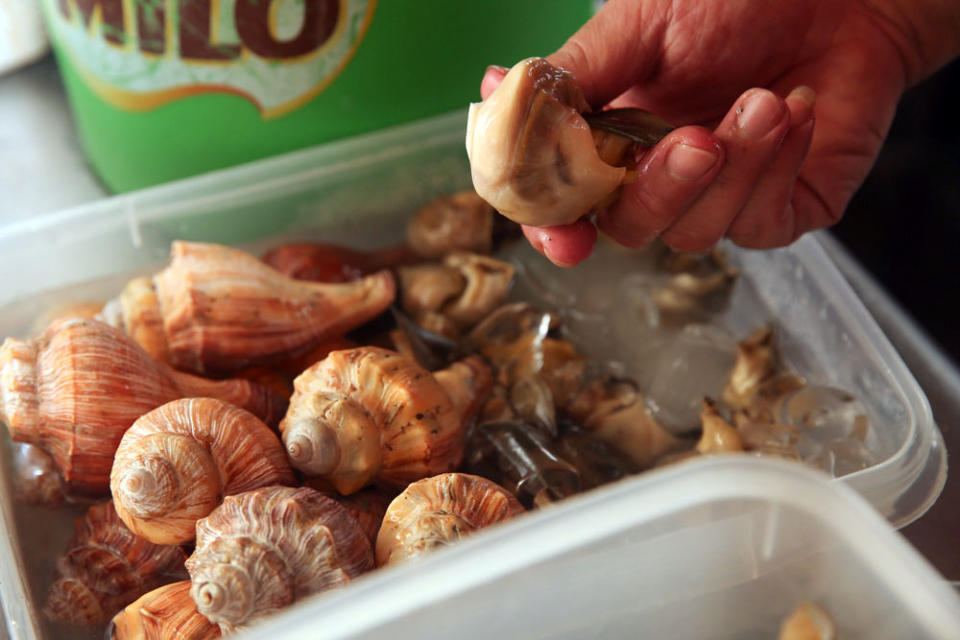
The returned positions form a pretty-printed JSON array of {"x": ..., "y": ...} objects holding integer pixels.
[{"x": 925, "y": 32}]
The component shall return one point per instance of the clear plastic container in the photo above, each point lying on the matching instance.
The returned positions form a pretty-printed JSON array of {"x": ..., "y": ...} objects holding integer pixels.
[
  {"x": 721, "y": 548},
  {"x": 361, "y": 192}
]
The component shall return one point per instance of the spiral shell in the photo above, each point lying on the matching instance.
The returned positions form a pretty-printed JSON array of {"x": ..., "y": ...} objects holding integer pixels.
[
  {"x": 262, "y": 550},
  {"x": 438, "y": 511},
  {"x": 105, "y": 567},
  {"x": 370, "y": 414},
  {"x": 176, "y": 462},
  {"x": 532, "y": 155},
  {"x": 77, "y": 387},
  {"x": 167, "y": 613},
  {"x": 224, "y": 310}
]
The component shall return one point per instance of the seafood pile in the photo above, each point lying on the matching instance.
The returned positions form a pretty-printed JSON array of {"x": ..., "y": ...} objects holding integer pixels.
[{"x": 249, "y": 432}]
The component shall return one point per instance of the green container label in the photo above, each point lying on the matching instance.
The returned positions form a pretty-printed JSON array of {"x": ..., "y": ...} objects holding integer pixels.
[{"x": 139, "y": 54}]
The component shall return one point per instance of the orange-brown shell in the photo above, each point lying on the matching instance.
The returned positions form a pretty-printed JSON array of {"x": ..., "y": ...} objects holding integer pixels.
[
  {"x": 370, "y": 414},
  {"x": 367, "y": 506},
  {"x": 136, "y": 311},
  {"x": 65, "y": 312},
  {"x": 261, "y": 551},
  {"x": 175, "y": 464},
  {"x": 36, "y": 478},
  {"x": 438, "y": 511},
  {"x": 225, "y": 310},
  {"x": 167, "y": 613},
  {"x": 105, "y": 567},
  {"x": 75, "y": 389},
  {"x": 462, "y": 221},
  {"x": 319, "y": 262}
]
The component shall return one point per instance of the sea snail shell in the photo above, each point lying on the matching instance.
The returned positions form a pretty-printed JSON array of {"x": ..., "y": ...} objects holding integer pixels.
[
  {"x": 262, "y": 550},
  {"x": 167, "y": 613},
  {"x": 75, "y": 389},
  {"x": 370, "y": 414},
  {"x": 176, "y": 463},
  {"x": 438, "y": 511},
  {"x": 105, "y": 567},
  {"x": 216, "y": 309}
]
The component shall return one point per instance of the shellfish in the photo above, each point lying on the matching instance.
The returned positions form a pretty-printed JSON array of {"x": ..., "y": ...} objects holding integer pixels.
[
  {"x": 262, "y": 550},
  {"x": 77, "y": 387},
  {"x": 319, "y": 262},
  {"x": 167, "y": 613},
  {"x": 439, "y": 511},
  {"x": 220, "y": 309},
  {"x": 370, "y": 414},
  {"x": 460, "y": 222},
  {"x": 175, "y": 464},
  {"x": 106, "y": 567},
  {"x": 537, "y": 160}
]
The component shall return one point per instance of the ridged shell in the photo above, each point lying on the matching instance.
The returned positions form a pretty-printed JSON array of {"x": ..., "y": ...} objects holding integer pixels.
[
  {"x": 318, "y": 262},
  {"x": 75, "y": 389},
  {"x": 438, "y": 511},
  {"x": 225, "y": 310},
  {"x": 532, "y": 155},
  {"x": 167, "y": 613},
  {"x": 175, "y": 464},
  {"x": 136, "y": 311},
  {"x": 105, "y": 567},
  {"x": 368, "y": 507},
  {"x": 370, "y": 414},
  {"x": 461, "y": 222},
  {"x": 263, "y": 550}
]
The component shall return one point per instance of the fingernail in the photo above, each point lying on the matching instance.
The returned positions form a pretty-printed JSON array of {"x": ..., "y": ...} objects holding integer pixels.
[
  {"x": 689, "y": 164},
  {"x": 759, "y": 113},
  {"x": 496, "y": 68},
  {"x": 803, "y": 112}
]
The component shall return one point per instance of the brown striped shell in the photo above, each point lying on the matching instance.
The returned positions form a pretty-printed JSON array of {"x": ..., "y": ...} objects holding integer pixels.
[
  {"x": 175, "y": 464},
  {"x": 106, "y": 567},
  {"x": 75, "y": 389},
  {"x": 167, "y": 613},
  {"x": 439, "y": 511},
  {"x": 224, "y": 310},
  {"x": 369, "y": 414},
  {"x": 263, "y": 550}
]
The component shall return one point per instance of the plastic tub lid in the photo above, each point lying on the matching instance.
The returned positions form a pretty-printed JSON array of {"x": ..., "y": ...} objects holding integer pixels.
[{"x": 723, "y": 547}]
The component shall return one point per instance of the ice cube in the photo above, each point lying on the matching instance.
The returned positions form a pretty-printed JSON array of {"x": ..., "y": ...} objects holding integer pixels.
[
  {"x": 826, "y": 414},
  {"x": 695, "y": 364}
]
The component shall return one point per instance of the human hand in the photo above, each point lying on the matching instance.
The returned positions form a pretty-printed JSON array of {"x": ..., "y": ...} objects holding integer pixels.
[{"x": 773, "y": 166}]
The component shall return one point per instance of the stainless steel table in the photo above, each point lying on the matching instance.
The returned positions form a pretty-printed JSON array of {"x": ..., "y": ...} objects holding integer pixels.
[{"x": 42, "y": 169}]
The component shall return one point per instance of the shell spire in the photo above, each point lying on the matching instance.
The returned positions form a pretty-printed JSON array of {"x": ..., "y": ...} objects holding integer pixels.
[
  {"x": 75, "y": 389},
  {"x": 439, "y": 511},
  {"x": 220, "y": 309},
  {"x": 105, "y": 567},
  {"x": 262, "y": 550},
  {"x": 175, "y": 464},
  {"x": 167, "y": 613},
  {"x": 370, "y": 414}
]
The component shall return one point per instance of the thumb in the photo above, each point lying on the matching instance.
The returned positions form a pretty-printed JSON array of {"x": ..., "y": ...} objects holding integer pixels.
[{"x": 616, "y": 49}]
